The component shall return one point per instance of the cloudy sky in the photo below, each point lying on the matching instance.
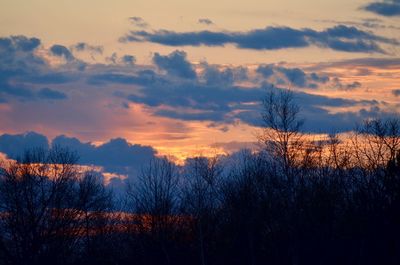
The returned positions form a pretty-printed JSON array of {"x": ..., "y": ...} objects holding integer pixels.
[{"x": 140, "y": 78}]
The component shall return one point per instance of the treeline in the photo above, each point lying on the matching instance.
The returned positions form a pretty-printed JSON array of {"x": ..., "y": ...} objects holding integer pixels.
[{"x": 298, "y": 200}]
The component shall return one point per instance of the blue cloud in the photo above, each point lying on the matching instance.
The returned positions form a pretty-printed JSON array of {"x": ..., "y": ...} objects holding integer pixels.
[
  {"x": 319, "y": 78},
  {"x": 61, "y": 51},
  {"x": 265, "y": 70},
  {"x": 47, "y": 93},
  {"x": 116, "y": 155},
  {"x": 214, "y": 76},
  {"x": 388, "y": 8},
  {"x": 175, "y": 64},
  {"x": 20, "y": 67},
  {"x": 128, "y": 59},
  {"x": 14, "y": 146},
  {"x": 226, "y": 103},
  {"x": 295, "y": 76},
  {"x": 19, "y": 43},
  {"x": 339, "y": 38}
]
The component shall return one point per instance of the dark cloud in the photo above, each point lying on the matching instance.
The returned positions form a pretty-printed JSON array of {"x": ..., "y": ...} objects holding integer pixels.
[
  {"x": 17, "y": 91},
  {"x": 292, "y": 77},
  {"x": 116, "y": 156},
  {"x": 295, "y": 76},
  {"x": 175, "y": 64},
  {"x": 21, "y": 68},
  {"x": 14, "y": 146},
  {"x": 205, "y": 21},
  {"x": 227, "y": 103},
  {"x": 17, "y": 53},
  {"x": 83, "y": 46},
  {"x": 196, "y": 95},
  {"x": 337, "y": 83},
  {"x": 214, "y": 76},
  {"x": 339, "y": 38},
  {"x": 388, "y": 8},
  {"x": 18, "y": 43},
  {"x": 128, "y": 59},
  {"x": 319, "y": 78},
  {"x": 265, "y": 70},
  {"x": 61, "y": 51},
  {"x": 47, "y": 93}
]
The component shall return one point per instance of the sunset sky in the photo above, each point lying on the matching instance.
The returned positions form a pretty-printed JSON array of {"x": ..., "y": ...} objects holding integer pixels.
[{"x": 183, "y": 78}]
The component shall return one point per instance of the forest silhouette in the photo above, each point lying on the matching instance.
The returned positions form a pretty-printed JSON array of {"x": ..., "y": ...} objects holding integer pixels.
[{"x": 296, "y": 200}]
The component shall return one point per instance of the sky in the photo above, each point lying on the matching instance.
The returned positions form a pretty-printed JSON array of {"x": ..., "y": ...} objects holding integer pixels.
[{"x": 144, "y": 78}]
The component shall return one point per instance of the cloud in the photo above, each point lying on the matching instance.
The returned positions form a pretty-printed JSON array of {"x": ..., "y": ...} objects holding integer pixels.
[
  {"x": 291, "y": 77},
  {"x": 115, "y": 158},
  {"x": 61, "y": 51},
  {"x": 47, "y": 93},
  {"x": 205, "y": 21},
  {"x": 20, "y": 65},
  {"x": 18, "y": 43},
  {"x": 175, "y": 64},
  {"x": 50, "y": 77},
  {"x": 339, "y": 38},
  {"x": 116, "y": 155},
  {"x": 227, "y": 102},
  {"x": 14, "y": 146},
  {"x": 350, "y": 86},
  {"x": 265, "y": 70},
  {"x": 388, "y": 8},
  {"x": 83, "y": 46},
  {"x": 295, "y": 76},
  {"x": 104, "y": 96},
  {"x": 17, "y": 53},
  {"x": 215, "y": 76},
  {"x": 319, "y": 78},
  {"x": 138, "y": 22},
  {"x": 128, "y": 59}
]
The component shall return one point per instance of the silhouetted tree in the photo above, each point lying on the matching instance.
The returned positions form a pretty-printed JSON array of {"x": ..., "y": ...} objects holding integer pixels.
[
  {"x": 282, "y": 132},
  {"x": 46, "y": 205},
  {"x": 200, "y": 198},
  {"x": 153, "y": 197}
]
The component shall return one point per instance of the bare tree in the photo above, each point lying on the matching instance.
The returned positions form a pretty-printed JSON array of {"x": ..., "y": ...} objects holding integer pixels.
[
  {"x": 282, "y": 132},
  {"x": 153, "y": 198},
  {"x": 43, "y": 212},
  {"x": 377, "y": 141},
  {"x": 200, "y": 196}
]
